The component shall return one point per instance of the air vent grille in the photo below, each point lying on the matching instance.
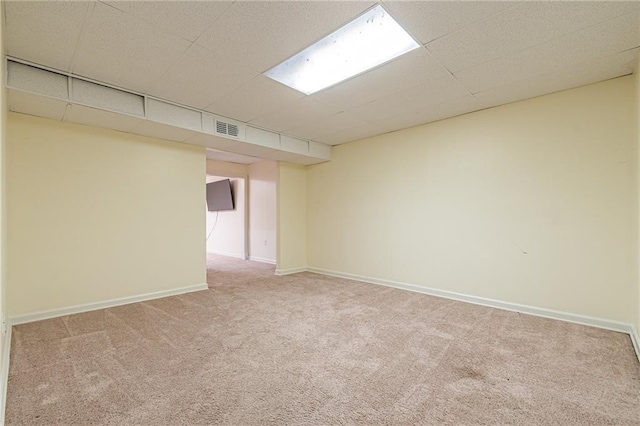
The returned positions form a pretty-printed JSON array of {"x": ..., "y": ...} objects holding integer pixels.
[
  {"x": 227, "y": 129},
  {"x": 221, "y": 127}
]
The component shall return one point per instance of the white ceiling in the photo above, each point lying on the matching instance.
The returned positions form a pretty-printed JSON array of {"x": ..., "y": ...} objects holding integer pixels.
[
  {"x": 210, "y": 55},
  {"x": 214, "y": 154}
]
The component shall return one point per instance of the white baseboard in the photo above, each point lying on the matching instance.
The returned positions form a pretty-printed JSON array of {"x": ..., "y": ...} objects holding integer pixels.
[
  {"x": 507, "y": 306},
  {"x": 4, "y": 371},
  {"x": 262, "y": 259},
  {"x": 291, "y": 271},
  {"x": 226, "y": 253},
  {"x": 635, "y": 339},
  {"x": 38, "y": 316}
]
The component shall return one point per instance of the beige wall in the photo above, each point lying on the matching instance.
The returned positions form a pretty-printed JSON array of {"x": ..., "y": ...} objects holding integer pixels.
[
  {"x": 223, "y": 168},
  {"x": 95, "y": 215},
  {"x": 226, "y": 229},
  {"x": 636, "y": 297},
  {"x": 3, "y": 206},
  {"x": 263, "y": 177},
  {"x": 292, "y": 218},
  {"x": 526, "y": 203}
]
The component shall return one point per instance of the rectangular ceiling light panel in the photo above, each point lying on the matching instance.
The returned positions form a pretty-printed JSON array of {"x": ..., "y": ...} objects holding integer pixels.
[{"x": 366, "y": 42}]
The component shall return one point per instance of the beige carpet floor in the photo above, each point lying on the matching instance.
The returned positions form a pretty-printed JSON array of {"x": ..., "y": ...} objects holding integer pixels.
[{"x": 256, "y": 349}]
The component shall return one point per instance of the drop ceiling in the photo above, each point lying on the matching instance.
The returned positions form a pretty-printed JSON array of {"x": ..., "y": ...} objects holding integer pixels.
[{"x": 210, "y": 56}]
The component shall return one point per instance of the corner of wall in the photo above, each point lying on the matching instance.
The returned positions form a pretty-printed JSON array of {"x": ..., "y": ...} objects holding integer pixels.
[
  {"x": 4, "y": 371},
  {"x": 635, "y": 340},
  {"x": 292, "y": 219},
  {"x": 262, "y": 208},
  {"x": 636, "y": 197},
  {"x": 5, "y": 327}
]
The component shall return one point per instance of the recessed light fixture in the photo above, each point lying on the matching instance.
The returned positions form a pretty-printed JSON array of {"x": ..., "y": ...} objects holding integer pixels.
[{"x": 371, "y": 39}]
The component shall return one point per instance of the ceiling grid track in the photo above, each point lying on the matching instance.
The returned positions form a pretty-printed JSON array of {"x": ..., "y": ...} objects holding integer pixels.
[{"x": 83, "y": 30}]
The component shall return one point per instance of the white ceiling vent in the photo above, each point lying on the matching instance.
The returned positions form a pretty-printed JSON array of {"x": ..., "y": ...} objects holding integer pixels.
[{"x": 228, "y": 128}]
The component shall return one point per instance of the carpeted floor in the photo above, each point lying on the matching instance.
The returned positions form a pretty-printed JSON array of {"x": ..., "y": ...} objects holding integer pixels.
[{"x": 256, "y": 349}]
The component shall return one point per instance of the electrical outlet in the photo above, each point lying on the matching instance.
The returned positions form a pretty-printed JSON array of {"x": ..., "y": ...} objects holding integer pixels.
[{"x": 265, "y": 242}]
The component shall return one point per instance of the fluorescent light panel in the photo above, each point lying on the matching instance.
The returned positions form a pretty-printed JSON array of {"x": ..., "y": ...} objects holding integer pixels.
[{"x": 366, "y": 42}]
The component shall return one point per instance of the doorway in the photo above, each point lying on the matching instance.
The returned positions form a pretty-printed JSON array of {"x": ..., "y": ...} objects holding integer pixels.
[{"x": 226, "y": 230}]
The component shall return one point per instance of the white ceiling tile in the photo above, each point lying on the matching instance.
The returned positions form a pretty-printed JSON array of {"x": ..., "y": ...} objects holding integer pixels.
[
  {"x": 199, "y": 78},
  {"x": 416, "y": 98},
  {"x": 449, "y": 109},
  {"x": 44, "y": 32},
  {"x": 355, "y": 133},
  {"x": 100, "y": 96},
  {"x": 262, "y": 137},
  {"x": 230, "y": 157},
  {"x": 209, "y": 141},
  {"x": 412, "y": 69},
  {"x": 328, "y": 125},
  {"x": 257, "y": 97},
  {"x": 412, "y": 118},
  {"x": 230, "y": 146},
  {"x": 307, "y": 161},
  {"x": 429, "y": 20},
  {"x": 187, "y": 19},
  {"x": 162, "y": 131},
  {"x": 520, "y": 27},
  {"x": 260, "y": 35},
  {"x": 562, "y": 79},
  {"x": 430, "y": 114},
  {"x": 98, "y": 118},
  {"x": 207, "y": 123},
  {"x": 174, "y": 115},
  {"x": 249, "y": 149},
  {"x": 26, "y": 103},
  {"x": 281, "y": 156},
  {"x": 289, "y": 144},
  {"x": 319, "y": 150},
  {"x": 296, "y": 113},
  {"x": 125, "y": 51},
  {"x": 611, "y": 37}
]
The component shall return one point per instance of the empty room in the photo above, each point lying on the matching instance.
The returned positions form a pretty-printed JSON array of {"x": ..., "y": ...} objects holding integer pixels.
[{"x": 320, "y": 212}]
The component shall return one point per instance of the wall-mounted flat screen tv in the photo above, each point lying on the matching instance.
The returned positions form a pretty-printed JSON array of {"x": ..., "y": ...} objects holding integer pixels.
[{"x": 219, "y": 196}]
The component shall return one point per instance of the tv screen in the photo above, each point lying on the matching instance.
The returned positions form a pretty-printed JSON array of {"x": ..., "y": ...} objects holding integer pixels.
[{"x": 219, "y": 196}]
